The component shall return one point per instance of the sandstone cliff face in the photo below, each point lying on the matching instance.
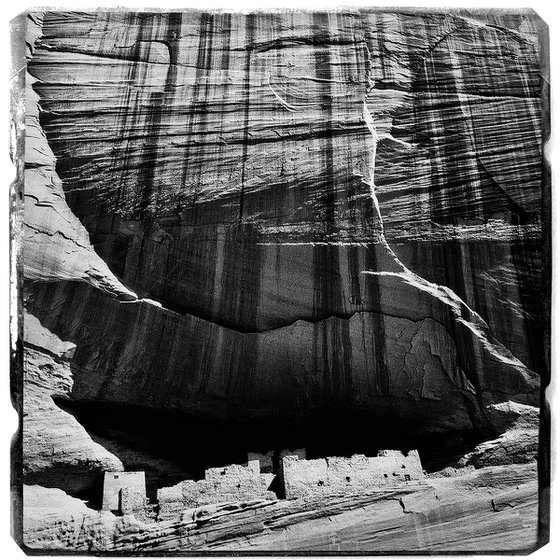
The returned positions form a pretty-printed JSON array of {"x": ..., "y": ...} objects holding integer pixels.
[
  {"x": 290, "y": 216},
  {"x": 54, "y": 442}
]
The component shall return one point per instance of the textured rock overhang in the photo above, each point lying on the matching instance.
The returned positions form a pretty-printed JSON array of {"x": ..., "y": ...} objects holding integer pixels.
[{"x": 290, "y": 212}]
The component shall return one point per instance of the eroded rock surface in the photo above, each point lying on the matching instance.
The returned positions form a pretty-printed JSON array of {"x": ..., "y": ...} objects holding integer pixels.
[
  {"x": 55, "y": 444},
  {"x": 283, "y": 219}
]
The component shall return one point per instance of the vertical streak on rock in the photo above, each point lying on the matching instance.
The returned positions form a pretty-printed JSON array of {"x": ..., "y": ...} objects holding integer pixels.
[
  {"x": 197, "y": 114},
  {"x": 203, "y": 239},
  {"x": 322, "y": 52},
  {"x": 244, "y": 244},
  {"x": 376, "y": 322},
  {"x": 250, "y": 23},
  {"x": 159, "y": 116},
  {"x": 124, "y": 126},
  {"x": 325, "y": 273}
]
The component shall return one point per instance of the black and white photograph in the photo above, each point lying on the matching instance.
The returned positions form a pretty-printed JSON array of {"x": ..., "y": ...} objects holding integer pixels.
[{"x": 281, "y": 281}]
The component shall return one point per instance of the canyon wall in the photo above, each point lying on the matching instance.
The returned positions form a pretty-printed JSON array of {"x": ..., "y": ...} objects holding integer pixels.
[{"x": 289, "y": 215}]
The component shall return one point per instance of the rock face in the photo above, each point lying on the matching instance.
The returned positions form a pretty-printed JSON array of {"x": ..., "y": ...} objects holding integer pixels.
[
  {"x": 292, "y": 226},
  {"x": 54, "y": 442}
]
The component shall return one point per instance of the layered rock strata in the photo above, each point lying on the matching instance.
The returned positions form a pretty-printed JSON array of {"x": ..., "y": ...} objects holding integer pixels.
[{"x": 227, "y": 173}]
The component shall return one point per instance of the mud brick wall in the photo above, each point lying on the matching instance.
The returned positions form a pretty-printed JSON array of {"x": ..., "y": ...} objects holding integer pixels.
[
  {"x": 233, "y": 483},
  {"x": 342, "y": 475},
  {"x": 114, "y": 482},
  {"x": 270, "y": 460},
  {"x": 132, "y": 502}
]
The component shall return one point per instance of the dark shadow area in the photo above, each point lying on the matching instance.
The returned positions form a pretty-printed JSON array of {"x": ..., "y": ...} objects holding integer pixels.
[
  {"x": 76, "y": 482},
  {"x": 171, "y": 447}
]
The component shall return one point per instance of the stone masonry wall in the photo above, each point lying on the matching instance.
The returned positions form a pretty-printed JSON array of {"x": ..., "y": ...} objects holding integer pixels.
[
  {"x": 115, "y": 482},
  {"x": 133, "y": 502},
  {"x": 267, "y": 460},
  {"x": 342, "y": 475},
  {"x": 233, "y": 483}
]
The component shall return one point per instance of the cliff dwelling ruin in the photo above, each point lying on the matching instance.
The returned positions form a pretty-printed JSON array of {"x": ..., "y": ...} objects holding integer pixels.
[{"x": 294, "y": 476}]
